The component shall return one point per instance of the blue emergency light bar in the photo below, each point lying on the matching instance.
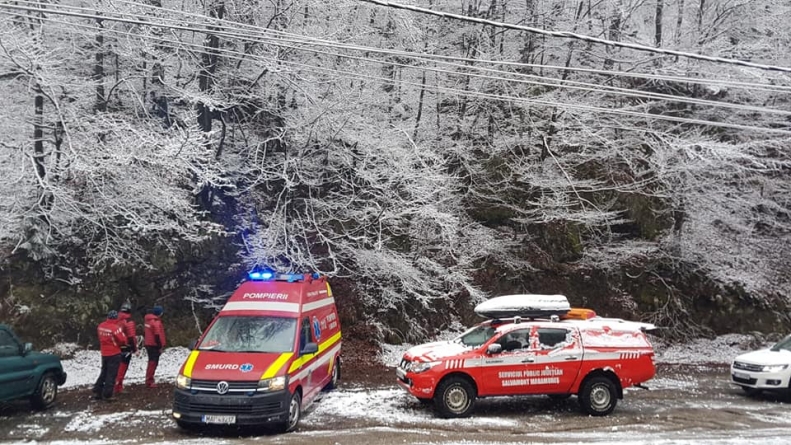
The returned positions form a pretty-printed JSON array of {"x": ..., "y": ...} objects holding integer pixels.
[
  {"x": 271, "y": 275},
  {"x": 261, "y": 275}
]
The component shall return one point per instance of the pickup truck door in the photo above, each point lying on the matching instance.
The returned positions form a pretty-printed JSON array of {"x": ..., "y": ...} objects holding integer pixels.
[
  {"x": 16, "y": 371},
  {"x": 504, "y": 373},
  {"x": 557, "y": 358}
]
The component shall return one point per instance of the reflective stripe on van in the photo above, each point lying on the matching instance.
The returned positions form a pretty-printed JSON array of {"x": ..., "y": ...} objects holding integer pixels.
[
  {"x": 278, "y": 306},
  {"x": 317, "y": 304},
  {"x": 296, "y": 364},
  {"x": 273, "y": 369},
  {"x": 190, "y": 363}
]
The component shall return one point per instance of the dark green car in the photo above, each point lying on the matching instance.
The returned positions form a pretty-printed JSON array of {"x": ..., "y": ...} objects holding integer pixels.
[{"x": 26, "y": 374}]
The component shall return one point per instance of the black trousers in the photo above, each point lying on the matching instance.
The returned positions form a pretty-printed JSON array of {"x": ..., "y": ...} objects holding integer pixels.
[
  {"x": 106, "y": 381},
  {"x": 153, "y": 353},
  {"x": 126, "y": 355}
]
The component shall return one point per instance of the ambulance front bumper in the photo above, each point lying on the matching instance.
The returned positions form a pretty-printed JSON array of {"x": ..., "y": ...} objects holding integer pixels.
[{"x": 231, "y": 409}]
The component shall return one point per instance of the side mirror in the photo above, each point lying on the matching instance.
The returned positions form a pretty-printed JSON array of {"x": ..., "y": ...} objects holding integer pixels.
[
  {"x": 192, "y": 345},
  {"x": 27, "y": 348},
  {"x": 494, "y": 348},
  {"x": 310, "y": 348}
]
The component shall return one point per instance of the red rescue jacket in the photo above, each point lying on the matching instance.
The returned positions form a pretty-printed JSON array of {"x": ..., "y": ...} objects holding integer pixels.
[
  {"x": 154, "y": 331},
  {"x": 111, "y": 337},
  {"x": 130, "y": 329}
]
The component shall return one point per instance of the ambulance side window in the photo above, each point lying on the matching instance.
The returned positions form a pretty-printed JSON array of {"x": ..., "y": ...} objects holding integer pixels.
[{"x": 304, "y": 333}]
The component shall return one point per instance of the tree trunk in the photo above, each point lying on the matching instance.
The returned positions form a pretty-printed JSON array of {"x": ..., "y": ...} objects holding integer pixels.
[
  {"x": 660, "y": 4},
  {"x": 614, "y": 32},
  {"x": 679, "y": 21},
  {"x": 208, "y": 68},
  {"x": 98, "y": 70}
]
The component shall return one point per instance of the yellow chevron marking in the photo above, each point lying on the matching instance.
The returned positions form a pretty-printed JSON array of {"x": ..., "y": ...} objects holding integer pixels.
[
  {"x": 274, "y": 368},
  {"x": 296, "y": 364},
  {"x": 190, "y": 363}
]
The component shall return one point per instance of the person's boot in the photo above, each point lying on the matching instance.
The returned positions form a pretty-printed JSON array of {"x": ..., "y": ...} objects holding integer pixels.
[
  {"x": 119, "y": 381},
  {"x": 152, "y": 367}
]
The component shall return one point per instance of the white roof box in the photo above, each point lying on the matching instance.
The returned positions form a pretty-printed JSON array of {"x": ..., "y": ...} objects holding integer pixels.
[{"x": 528, "y": 306}]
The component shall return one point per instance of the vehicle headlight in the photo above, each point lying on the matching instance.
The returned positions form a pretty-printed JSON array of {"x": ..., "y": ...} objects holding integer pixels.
[
  {"x": 418, "y": 367},
  {"x": 275, "y": 384},
  {"x": 774, "y": 368},
  {"x": 183, "y": 382}
]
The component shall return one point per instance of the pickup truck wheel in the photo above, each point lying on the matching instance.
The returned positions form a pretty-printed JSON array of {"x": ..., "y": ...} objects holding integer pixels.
[
  {"x": 455, "y": 397},
  {"x": 598, "y": 396},
  {"x": 47, "y": 391}
]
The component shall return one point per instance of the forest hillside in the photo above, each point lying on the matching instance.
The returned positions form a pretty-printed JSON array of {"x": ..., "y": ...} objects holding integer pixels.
[{"x": 425, "y": 155}]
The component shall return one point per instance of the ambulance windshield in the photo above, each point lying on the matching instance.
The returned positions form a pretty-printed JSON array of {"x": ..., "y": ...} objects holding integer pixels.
[
  {"x": 250, "y": 334},
  {"x": 476, "y": 336}
]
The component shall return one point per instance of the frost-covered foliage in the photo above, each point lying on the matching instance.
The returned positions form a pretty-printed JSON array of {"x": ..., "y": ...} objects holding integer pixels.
[
  {"x": 421, "y": 158},
  {"x": 108, "y": 181}
]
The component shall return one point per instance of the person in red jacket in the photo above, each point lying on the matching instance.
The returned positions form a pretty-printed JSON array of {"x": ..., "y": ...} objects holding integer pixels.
[
  {"x": 111, "y": 337},
  {"x": 130, "y": 347},
  {"x": 154, "y": 342}
]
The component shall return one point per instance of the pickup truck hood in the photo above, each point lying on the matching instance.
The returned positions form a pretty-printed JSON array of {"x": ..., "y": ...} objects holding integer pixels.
[
  {"x": 234, "y": 366},
  {"x": 435, "y": 351},
  {"x": 766, "y": 357}
]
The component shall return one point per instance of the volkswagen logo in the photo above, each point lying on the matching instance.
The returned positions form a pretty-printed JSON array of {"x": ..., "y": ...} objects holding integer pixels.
[{"x": 222, "y": 387}]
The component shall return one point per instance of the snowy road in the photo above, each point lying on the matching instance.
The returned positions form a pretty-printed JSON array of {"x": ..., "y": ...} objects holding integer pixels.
[{"x": 686, "y": 405}]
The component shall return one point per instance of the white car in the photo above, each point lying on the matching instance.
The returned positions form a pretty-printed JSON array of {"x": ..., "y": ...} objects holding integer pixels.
[{"x": 764, "y": 370}]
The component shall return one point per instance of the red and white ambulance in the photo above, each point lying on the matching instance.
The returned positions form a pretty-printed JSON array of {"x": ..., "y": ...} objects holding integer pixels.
[
  {"x": 536, "y": 344},
  {"x": 266, "y": 356}
]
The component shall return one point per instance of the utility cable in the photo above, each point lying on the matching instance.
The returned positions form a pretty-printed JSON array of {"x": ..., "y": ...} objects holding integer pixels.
[
  {"x": 296, "y": 38},
  {"x": 555, "y": 83},
  {"x": 568, "y": 107},
  {"x": 571, "y": 35}
]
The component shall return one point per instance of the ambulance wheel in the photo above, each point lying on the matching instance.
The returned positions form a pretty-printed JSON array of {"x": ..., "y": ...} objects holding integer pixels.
[
  {"x": 598, "y": 396},
  {"x": 46, "y": 393},
  {"x": 294, "y": 413},
  {"x": 454, "y": 397},
  {"x": 336, "y": 375}
]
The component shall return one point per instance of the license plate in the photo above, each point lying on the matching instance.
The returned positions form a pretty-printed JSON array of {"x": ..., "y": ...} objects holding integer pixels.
[
  {"x": 739, "y": 375},
  {"x": 224, "y": 420}
]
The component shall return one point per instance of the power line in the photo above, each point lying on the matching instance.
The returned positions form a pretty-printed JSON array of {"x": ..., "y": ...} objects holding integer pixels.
[
  {"x": 296, "y": 38},
  {"x": 571, "y": 35},
  {"x": 570, "y": 107},
  {"x": 554, "y": 83},
  {"x": 454, "y": 91},
  {"x": 323, "y": 42}
]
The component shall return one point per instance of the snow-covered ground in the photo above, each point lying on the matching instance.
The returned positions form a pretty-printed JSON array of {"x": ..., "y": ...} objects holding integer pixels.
[{"x": 83, "y": 368}]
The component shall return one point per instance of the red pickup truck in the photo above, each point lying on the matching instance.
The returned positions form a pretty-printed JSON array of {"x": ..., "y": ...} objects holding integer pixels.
[{"x": 575, "y": 353}]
